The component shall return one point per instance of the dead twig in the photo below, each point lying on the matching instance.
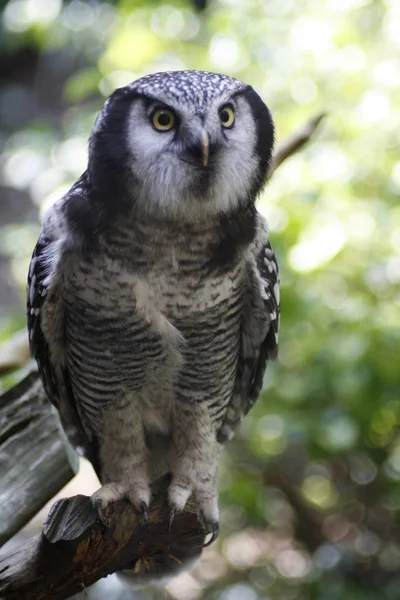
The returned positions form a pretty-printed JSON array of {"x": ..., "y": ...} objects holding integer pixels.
[{"x": 295, "y": 142}]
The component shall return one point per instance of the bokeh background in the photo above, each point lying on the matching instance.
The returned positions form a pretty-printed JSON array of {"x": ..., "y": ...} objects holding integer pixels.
[{"x": 310, "y": 487}]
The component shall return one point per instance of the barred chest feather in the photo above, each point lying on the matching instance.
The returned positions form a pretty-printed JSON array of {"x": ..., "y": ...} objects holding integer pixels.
[{"x": 149, "y": 314}]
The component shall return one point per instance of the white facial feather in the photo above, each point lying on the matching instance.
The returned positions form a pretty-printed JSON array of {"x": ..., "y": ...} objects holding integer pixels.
[{"x": 168, "y": 183}]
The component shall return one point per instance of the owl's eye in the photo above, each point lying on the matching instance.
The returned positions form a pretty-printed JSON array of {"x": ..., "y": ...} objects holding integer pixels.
[
  {"x": 163, "y": 119},
  {"x": 227, "y": 116}
]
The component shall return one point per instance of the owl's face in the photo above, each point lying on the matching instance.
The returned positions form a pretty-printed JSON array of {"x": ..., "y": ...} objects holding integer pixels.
[{"x": 183, "y": 144}]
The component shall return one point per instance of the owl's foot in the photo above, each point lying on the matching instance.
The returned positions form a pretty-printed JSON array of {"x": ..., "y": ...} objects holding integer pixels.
[
  {"x": 206, "y": 497},
  {"x": 212, "y": 528},
  {"x": 207, "y": 502},
  {"x": 137, "y": 493}
]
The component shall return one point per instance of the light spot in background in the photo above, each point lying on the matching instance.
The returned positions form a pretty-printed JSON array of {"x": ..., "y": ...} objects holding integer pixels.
[
  {"x": 212, "y": 566},
  {"x": 277, "y": 217},
  {"x": 20, "y": 15},
  {"x": 271, "y": 427},
  {"x": 262, "y": 578},
  {"x": 392, "y": 464},
  {"x": 173, "y": 23},
  {"x": 303, "y": 91},
  {"x": 335, "y": 528},
  {"x": 338, "y": 434},
  {"x": 72, "y": 155},
  {"x": 395, "y": 174},
  {"x": 318, "y": 246},
  {"x": 246, "y": 548},
  {"x": 14, "y": 239},
  {"x": 362, "y": 469},
  {"x": 391, "y": 23},
  {"x": 374, "y": 107},
  {"x": 334, "y": 291},
  {"x": 318, "y": 490},
  {"x": 168, "y": 61},
  {"x": 367, "y": 543},
  {"x": 361, "y": 225},
  {"x": 234, "y": 517},
  {"x": 389, "y": 557},
  {"x": 22, "y": 167},
  {"x": 326, "y": 557},
  {"x": 293, "y": 564},
  {"x": 330, "y": 162},
  {"x": 351, "y": 58},
  {"x": 269, "y": 435},
  {"x": 185, "y": 587},
  {"x": 277, "y": 510},
  {"x": 240, "y": 591},
  {"x": 224, "y": 52},
  {"x": 395, "y": 239},
  {"x": 278, "y": 8},
  {"x": 79, "y": 15},
  {"x": 387, "y": 73},
  {"x": 116, "y": 79},
  {"x": 350, "y": 347},
  {"x": 393, "y": 269},
  {"x": 45, "y": 182},
  {"x": 310, "y": 34},
  {"x": 133, "y": 48},
  {"x": 346, "y": 5}
]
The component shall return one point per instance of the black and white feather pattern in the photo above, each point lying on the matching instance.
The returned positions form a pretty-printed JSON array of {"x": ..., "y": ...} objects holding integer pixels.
[
  {"x": 259, "y": 337},
  {"x": 55, "y": 376},
  {"x": 37, "y": 290}
]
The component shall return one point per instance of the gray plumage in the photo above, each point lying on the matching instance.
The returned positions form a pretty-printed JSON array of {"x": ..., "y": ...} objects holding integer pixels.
[{"x": 153, "y": 292}]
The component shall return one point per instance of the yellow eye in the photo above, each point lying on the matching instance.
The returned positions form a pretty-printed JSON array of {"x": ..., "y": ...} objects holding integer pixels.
[
  {"x": 227, "y": 116},
  {"x": 163, "y": 119}
]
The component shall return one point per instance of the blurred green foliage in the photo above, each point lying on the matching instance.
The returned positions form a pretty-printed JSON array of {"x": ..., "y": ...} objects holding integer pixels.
[{"x": 310, "y": 491}]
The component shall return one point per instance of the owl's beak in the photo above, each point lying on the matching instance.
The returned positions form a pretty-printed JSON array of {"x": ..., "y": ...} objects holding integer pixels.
[{"x": 205, "y": 142}]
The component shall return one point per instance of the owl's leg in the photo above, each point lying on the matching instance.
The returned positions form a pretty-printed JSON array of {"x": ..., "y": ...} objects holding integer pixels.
[
  {"x": 194, "y": 463},
  {"x": 123, "y": 459}
]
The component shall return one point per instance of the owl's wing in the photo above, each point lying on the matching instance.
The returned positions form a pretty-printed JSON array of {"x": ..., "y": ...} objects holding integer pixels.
[
  {"x": 45, "y": 300},
  {"x": 259, "y": 336}
]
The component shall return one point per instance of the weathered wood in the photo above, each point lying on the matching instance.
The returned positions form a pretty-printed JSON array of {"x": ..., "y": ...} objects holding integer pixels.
[
  {"x": 76, "y": 549},
  {"x": 35, "y": 458}
]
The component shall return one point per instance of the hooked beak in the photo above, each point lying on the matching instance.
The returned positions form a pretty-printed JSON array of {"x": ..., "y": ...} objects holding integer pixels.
[{"x": 204, "y": 141}]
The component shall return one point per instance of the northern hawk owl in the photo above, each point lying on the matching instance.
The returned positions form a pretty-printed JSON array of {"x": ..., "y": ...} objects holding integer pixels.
[{"x": 153, "y": 291}]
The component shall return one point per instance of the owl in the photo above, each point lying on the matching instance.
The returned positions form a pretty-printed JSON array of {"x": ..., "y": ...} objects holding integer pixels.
[{"x": 153, "y": 291}]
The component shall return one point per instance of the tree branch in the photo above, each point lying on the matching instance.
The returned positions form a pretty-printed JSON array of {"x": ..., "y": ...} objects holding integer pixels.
[
  {"x": 35, "y": 459},
  {"x": 76, "y": 549},
  {"x": 295, "y": 142}
]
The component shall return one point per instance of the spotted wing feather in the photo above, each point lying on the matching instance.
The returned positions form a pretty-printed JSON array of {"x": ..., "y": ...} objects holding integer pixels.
[
  {"x": 259, "y": 337},
  {"x": 45, "y": 264}
]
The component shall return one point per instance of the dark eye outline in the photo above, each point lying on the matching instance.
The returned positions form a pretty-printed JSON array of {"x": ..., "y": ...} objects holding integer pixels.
[
  {"x": 231, "y": 111},
  {"x": 159, "y": 112}
]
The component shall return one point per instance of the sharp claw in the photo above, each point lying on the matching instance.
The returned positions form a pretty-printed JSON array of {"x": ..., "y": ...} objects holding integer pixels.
[
  {"x": 214, "y": 533},
  {"x": 97, "y": 504},
  {"x": 172, "y": 513},
  {"x": 144, "y": 511}
]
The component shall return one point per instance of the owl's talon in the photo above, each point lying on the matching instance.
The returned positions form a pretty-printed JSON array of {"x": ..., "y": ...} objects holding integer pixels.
[
  {"x": 144, "y": 510},
  {"x": 172, "y": 512},
  {"x": 214, "y": 533},
  {"x": 100, "y": 507}
]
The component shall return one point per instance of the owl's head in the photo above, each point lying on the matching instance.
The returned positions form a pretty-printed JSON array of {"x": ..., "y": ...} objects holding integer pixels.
[{"x": 182, "y": 144}]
